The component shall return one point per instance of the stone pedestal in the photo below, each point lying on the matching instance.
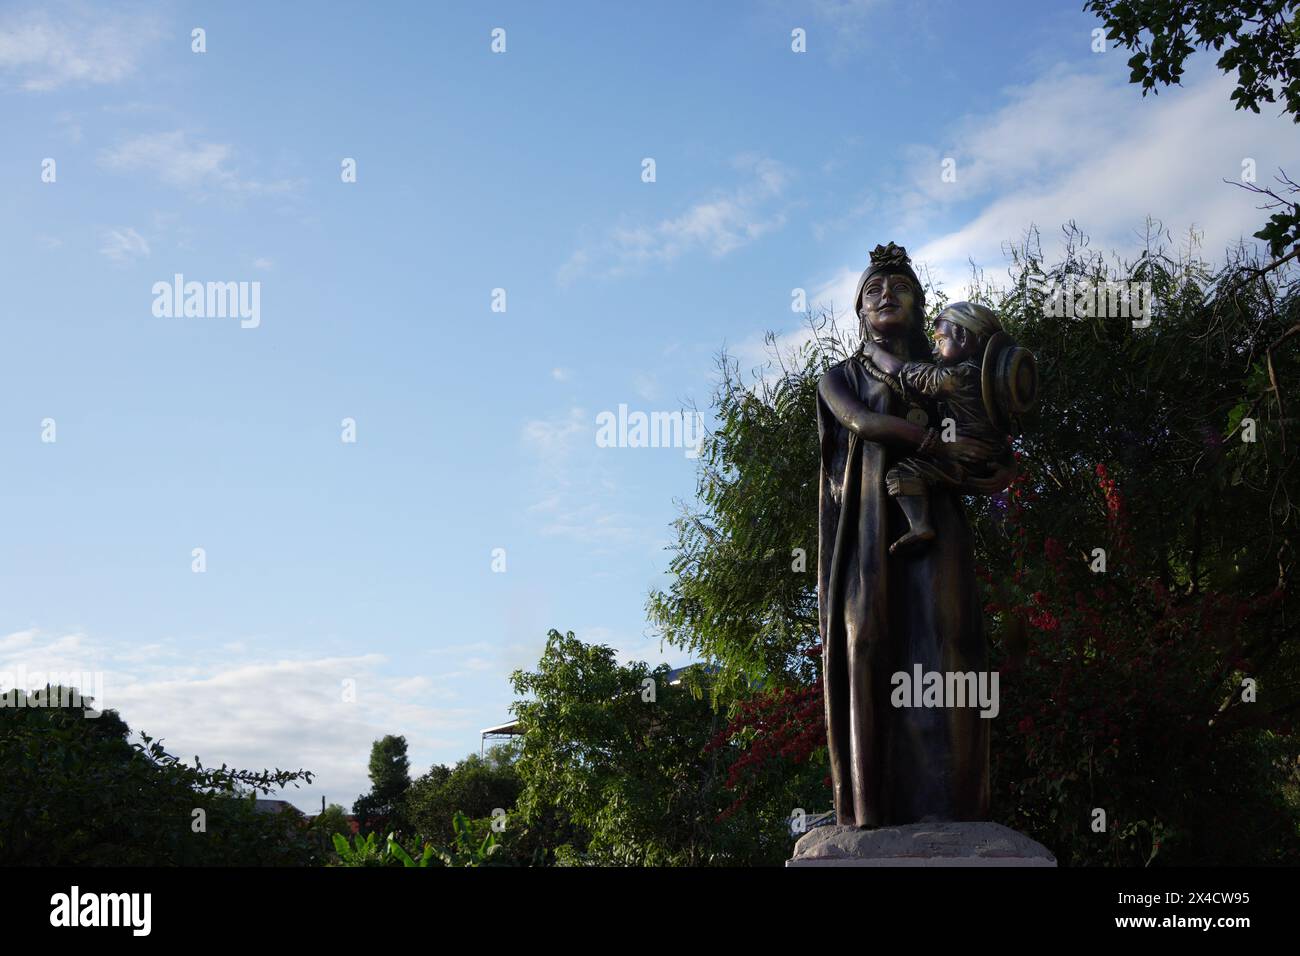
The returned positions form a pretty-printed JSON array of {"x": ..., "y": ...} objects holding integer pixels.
[{"x": 920, "y": 844}]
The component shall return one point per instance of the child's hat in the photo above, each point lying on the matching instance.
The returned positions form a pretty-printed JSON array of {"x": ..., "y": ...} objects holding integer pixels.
[
  {"x": 981, "y": 321},
  {"x": 1009, "y": 381}
]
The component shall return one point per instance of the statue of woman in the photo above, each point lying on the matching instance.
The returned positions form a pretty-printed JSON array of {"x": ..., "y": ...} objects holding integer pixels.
[{"x": 885, "y": 613}]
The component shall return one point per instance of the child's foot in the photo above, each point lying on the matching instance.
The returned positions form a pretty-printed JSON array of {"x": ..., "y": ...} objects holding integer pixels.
[{"x": 911, "y": 541}]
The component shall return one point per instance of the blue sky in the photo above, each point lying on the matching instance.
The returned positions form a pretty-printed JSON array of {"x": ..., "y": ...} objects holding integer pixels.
[{"x": 372, "y": 561}]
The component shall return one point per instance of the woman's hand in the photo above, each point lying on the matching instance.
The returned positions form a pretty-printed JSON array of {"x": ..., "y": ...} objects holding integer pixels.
[
  {"x": 968, "y": 452},
  {"x": 842, "y": 400},
  {"x": 1000, "y": 480}
]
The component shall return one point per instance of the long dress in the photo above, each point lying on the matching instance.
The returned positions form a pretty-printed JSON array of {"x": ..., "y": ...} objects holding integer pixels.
[{"x": 882, "y": 613}]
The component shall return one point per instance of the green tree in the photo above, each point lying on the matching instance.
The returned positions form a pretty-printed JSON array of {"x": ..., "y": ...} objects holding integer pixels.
[
  {"x": 76, "y": 791},
  {"x": 333, "y": 819},
  {"x": 744, "y": 564},
  {"x": 390, "y": 778},
  {"x": 625, "y": 757},
  {"x": 476, "y": 786},
  {"x": 390, "y": 775}
]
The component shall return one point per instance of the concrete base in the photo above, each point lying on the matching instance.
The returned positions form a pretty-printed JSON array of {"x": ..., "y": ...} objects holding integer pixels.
[{"x": 920, "y": 844}]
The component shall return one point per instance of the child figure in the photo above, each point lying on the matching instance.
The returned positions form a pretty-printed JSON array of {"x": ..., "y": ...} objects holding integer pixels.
[{"x": 955, "y": 383}]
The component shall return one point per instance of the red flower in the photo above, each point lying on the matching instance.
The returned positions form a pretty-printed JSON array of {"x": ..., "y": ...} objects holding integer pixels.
[{"x": 1044, "y": 621}]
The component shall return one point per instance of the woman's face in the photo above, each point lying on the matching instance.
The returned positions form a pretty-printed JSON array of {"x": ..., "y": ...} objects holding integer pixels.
[{"x": 887, "y": 303}]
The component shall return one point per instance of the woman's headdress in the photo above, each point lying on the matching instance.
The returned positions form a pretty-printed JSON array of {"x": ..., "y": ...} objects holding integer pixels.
[{"x": 890, "y": 258}]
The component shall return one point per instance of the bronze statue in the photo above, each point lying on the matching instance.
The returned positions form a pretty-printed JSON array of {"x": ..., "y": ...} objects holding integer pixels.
[{"x": 884, "y": 610}]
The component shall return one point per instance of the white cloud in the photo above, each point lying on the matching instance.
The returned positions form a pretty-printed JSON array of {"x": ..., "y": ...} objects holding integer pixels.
[
  {"x": 715, "y": 226},
  {"x": 1163, "y": 156},
  {"x": 561, "y": 374},
  {"x": 124, "y": 245},
  {"x": 1081, "y": 146},
  {"x": 77, "y": 46},
  {"x": 257, "y": 712},
  {"x": 186, "y": 164},
  {"x": 18, "y": 639},
  {"x": 264, "y": 264}
]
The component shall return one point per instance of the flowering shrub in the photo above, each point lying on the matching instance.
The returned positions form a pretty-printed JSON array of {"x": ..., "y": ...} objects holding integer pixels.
[
  {"x": 770, "y": 733},
  {"x": 1129, "y": 700}
]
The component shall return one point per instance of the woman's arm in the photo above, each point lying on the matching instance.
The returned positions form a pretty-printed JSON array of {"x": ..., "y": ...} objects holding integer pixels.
[
  {"x": 854, "y": 414},
  {"x": 888, "y": 363}
]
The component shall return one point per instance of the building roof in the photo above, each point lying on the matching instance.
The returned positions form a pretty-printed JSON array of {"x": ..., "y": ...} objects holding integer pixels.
[{"x": 275, "y": 806}]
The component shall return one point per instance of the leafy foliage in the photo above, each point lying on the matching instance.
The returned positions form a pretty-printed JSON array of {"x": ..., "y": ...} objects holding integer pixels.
[
  {"x": 629, "y": 771},
  {"x": 1259, "y": 35},
  {"x": 466, "y": 849},
  {"x": 390, "y": 778},
  {"x": 361, "y": 851},
  {"x": 475, "y": 787},
  {"x": 74, "y": 791},
  {"x": 745, "y": 558},
  {"x": 1131, "y": 695}
]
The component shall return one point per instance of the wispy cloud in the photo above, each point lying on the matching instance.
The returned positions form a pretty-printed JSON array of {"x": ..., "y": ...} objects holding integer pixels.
[
  {"x": 124, "y": 245},
  {"x": 716, "y": 226},
  {"x": 72, "y": 45},
  {"x": 1082, "y": 146},
  {"x": 1165, "y": 157},
  {"x": 179, "y": 161},
  {"x": 552, "y": 440},
  {"x": 839, "y": 30},
  {"x": 575, "y": 495},
  {"x": 254, "y": 712}
]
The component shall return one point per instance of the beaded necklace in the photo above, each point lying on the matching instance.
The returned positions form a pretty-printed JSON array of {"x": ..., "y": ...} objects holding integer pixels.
[
  {"x": 879, "y": 374},
  {"x": 916, "y": 414}
]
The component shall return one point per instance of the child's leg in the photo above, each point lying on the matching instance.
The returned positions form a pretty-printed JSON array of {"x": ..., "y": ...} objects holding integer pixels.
[
  {"x": 906, "y": 485},
  {"x": 917, "y": 509}
]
